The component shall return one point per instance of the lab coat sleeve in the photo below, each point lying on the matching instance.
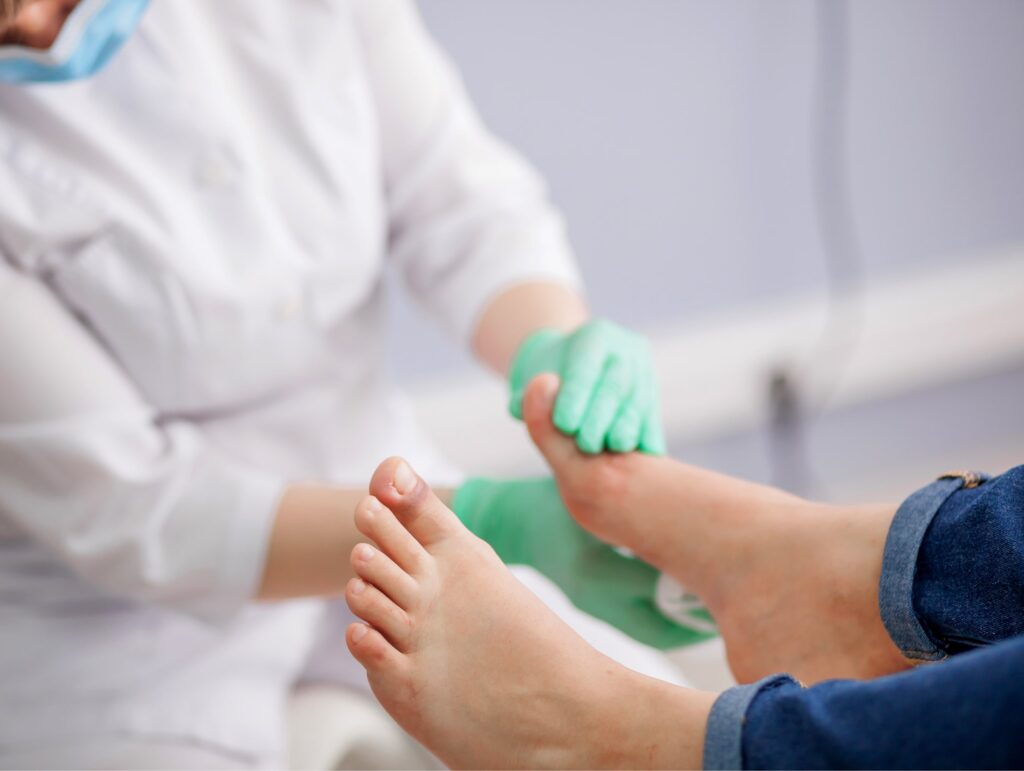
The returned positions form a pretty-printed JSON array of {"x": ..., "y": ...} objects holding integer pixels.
[
  {"x": 468, "y": 218},
  {"x": 136, "y": 507}
]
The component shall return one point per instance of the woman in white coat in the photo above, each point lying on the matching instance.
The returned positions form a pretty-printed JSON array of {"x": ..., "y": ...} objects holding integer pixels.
[{"x": 195, "y": 214}]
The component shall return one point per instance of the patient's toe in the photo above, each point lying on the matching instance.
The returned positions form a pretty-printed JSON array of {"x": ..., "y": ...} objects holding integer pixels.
[
  {"x": 372, "y": 650},
  {"x": 538, "y": 403},
  {"x": 379, "y": 569},
  {"x": 376, "y": 608},
  {"x": 378, "y": 523},
  {"x": 413, "y": 502}
]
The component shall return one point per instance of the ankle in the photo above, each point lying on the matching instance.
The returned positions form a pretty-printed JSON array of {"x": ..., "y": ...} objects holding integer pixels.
[
  {"x": 850, "y": 541},
  {"x": 667, "y": 725}
]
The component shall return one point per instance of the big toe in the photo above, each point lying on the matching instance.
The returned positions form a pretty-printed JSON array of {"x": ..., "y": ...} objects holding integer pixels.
[
  {"x": 538, "y": 404},
  {"x": 422, "y": 513}
]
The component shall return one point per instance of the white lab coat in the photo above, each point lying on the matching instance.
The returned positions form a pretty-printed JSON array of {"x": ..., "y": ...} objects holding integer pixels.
[{"x": 191, "y": 252}]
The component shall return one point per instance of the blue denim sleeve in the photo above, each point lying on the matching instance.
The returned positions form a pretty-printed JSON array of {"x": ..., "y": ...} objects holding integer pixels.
[
  {"x": 967, "y": 712},
  {"x": 953, "y": 568},
  {"x": 723, "y": 737}
]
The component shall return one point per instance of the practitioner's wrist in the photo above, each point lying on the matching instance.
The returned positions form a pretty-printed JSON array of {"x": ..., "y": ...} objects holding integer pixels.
[{"x": 313, "y": 524}]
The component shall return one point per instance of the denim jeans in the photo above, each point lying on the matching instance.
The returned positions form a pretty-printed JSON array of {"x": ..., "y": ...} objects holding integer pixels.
[{"x": 951, "y": 593}]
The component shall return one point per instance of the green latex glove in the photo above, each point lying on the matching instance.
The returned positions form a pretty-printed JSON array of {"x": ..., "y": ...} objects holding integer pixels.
[
  {"x": 608, "y": 397},
  {"x": 527, "y": 524}
]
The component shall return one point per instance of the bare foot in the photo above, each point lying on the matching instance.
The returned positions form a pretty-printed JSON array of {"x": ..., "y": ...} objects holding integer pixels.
[
  {"x": 792, "y": 585},
  {"x": 474, "y": 666}
]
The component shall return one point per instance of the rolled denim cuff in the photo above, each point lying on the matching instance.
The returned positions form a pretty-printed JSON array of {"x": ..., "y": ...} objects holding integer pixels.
[
  {"x": 723, "y": 738},
  {"x": 899, "y": 565}
]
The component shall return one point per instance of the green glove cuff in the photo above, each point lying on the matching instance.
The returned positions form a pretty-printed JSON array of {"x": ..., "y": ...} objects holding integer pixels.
[{"x": 526, "y": 523}]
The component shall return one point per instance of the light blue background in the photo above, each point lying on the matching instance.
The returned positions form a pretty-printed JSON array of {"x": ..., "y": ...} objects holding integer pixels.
[{"x": 676, "y": 137}]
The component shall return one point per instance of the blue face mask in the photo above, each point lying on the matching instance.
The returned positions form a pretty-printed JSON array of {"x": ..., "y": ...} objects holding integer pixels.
[{"x": 91, "y": 35}]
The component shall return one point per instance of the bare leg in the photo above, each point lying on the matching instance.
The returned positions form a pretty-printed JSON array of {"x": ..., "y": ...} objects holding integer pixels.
[
  {"x": 477, "y": 669},
  {"x": 793, "y": 585}
]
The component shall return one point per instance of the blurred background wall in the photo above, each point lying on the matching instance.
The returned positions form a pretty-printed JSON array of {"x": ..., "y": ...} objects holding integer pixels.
[{"x": 725, "y": 169}]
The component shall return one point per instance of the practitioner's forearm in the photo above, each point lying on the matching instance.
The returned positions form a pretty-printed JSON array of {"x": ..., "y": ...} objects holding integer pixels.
[
  {"x": 313, "y": 534},
  {"x": 518, "y": 312}
]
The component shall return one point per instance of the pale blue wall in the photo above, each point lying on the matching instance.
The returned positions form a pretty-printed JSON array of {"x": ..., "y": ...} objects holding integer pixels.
[{"x": 676, "y": 136}]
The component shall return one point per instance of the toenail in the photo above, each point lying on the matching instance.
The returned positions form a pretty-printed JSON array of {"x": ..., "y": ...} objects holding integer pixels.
[
  {"x": 405, "y": 480},
  {"x": 364, "y": 552},
  {"x": 358, "y": 632},
  {"x": 358, "y": 586},
  {"x": 373, "y": 504}
]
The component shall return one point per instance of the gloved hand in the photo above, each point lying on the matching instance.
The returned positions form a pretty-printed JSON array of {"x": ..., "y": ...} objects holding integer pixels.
[
  {"x": 608, "y": 398},
  {"x": 526, "y": 524}
]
